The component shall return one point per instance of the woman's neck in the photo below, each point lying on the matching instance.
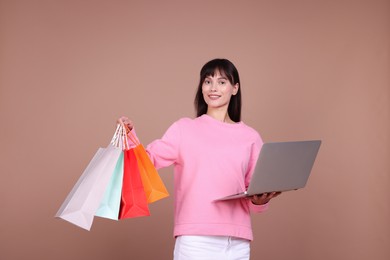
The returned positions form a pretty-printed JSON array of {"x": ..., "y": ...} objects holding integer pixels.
[{"x": 219, "y": 115}]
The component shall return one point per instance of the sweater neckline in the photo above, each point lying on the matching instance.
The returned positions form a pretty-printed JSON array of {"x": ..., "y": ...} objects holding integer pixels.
[{"x": 224, "y": 124}]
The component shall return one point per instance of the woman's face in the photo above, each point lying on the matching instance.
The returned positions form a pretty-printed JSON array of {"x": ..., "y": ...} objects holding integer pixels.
[{"x": 217, "y": 91}]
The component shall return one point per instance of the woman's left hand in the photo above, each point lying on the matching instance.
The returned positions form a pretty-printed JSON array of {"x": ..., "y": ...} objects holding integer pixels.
[{"x": 264, "y": 198}]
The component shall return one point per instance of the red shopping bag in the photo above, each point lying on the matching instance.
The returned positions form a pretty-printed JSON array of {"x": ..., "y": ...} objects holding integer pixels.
[{"x": 133, "y": 200}]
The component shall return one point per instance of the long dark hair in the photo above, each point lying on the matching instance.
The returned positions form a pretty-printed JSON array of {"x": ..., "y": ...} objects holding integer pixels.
[{"x": 226, "y": 68}]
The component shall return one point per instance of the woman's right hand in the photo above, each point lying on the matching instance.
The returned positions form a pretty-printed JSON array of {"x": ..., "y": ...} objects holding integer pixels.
[{"x": 125, "y": 122}]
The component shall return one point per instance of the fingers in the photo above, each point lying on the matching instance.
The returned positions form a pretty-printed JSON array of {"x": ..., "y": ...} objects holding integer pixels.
[
  {"x": 272, "y": 195},
  {"x": 260, "y": 199},
  {"x": 264, "y": 197},
  {"x": 120, "y": 120},
  {"x": 126, "y": 122},
  {"x": 276, "y": 194}
]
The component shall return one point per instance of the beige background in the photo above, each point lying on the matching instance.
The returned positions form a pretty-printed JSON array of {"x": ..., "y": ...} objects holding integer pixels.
[{"x": 309, "y": 69}]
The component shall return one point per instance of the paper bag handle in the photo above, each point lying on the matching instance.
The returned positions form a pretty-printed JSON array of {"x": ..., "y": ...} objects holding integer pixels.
[
  {"x": 131, "y": 136},
  {"x": 120, "y": 139}
]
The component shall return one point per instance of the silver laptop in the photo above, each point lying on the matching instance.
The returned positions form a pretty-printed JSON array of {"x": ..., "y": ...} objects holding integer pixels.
[{"x": 281, "y": 166}]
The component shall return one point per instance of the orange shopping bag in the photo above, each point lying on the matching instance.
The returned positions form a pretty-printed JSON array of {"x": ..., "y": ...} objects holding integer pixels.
[{"x": 153, "y": 185}]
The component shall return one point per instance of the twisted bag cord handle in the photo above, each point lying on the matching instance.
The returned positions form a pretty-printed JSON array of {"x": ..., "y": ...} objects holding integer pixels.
[
  {"x": 114, "y": 140},
  {"x": 121, "y": 137},
  {"x": 131, "y": 136}
]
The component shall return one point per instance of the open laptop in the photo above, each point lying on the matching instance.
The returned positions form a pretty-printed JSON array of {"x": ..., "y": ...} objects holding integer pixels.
[{"x": 281, "y": 166}]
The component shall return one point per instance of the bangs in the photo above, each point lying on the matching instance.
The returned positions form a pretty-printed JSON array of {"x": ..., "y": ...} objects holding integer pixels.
[{"x": 214, "y": 69}]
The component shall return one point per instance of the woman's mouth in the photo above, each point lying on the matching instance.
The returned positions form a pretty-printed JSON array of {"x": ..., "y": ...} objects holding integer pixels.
[{"x": 214, "y": 97}]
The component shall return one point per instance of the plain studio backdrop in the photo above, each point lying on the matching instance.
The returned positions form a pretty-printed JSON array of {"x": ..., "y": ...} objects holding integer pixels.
[{"x": 309, "y": 70}]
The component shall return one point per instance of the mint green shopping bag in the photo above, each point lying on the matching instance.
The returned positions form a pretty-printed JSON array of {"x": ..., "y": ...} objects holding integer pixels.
[{"x": 110, "y": 204}]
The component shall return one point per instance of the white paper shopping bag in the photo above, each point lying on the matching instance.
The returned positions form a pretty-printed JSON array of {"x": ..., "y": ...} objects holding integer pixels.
[
  {"x": 84, "y": 199},
  {"x": 110, "y": 204}
]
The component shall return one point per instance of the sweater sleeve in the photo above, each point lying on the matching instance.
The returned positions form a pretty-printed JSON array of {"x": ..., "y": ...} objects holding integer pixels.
[
  {"x": 255, "y": 151},
  {"x": 257, "y": 208},
  {"x": 165, "y": 151},
  {"x": 254, "y": 155}
]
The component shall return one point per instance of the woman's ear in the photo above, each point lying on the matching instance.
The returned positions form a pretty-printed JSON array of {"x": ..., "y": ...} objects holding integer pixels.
[{"x": 235, "y": 88}]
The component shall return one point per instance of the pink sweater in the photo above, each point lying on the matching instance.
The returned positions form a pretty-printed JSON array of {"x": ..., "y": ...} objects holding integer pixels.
[{"x": 211, "y": 159}]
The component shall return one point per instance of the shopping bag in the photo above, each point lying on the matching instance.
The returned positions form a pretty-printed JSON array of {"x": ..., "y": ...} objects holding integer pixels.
[
  {"x": 110, "y": 204},
  {"x": 84, "y": 199},
  {"x": 153, "y": 185},
  {"x": 133, "y": 202}
]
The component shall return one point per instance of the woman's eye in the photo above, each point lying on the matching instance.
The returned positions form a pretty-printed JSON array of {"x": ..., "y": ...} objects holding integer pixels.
[
  {"x": 222, "y": 82},
  {"x": 207, "y": 82}
]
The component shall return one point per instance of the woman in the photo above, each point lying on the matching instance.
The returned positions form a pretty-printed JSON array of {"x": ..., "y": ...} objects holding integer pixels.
[{"x": 214, "y": 155}]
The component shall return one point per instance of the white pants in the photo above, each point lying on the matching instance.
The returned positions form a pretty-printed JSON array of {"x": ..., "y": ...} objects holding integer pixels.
[{"x": 211, "y": 248}]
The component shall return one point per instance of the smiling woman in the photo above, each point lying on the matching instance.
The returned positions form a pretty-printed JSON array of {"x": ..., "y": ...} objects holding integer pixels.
[
  {"x": 220, "y": 77},
  {"x": 307, "y": 69},
  {"x": 214, "y": 146},
  {"x": 217, "y": 93}
]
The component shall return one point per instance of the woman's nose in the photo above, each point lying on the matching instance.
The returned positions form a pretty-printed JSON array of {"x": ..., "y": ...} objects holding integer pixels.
[{"x": 213, "y": 86}]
